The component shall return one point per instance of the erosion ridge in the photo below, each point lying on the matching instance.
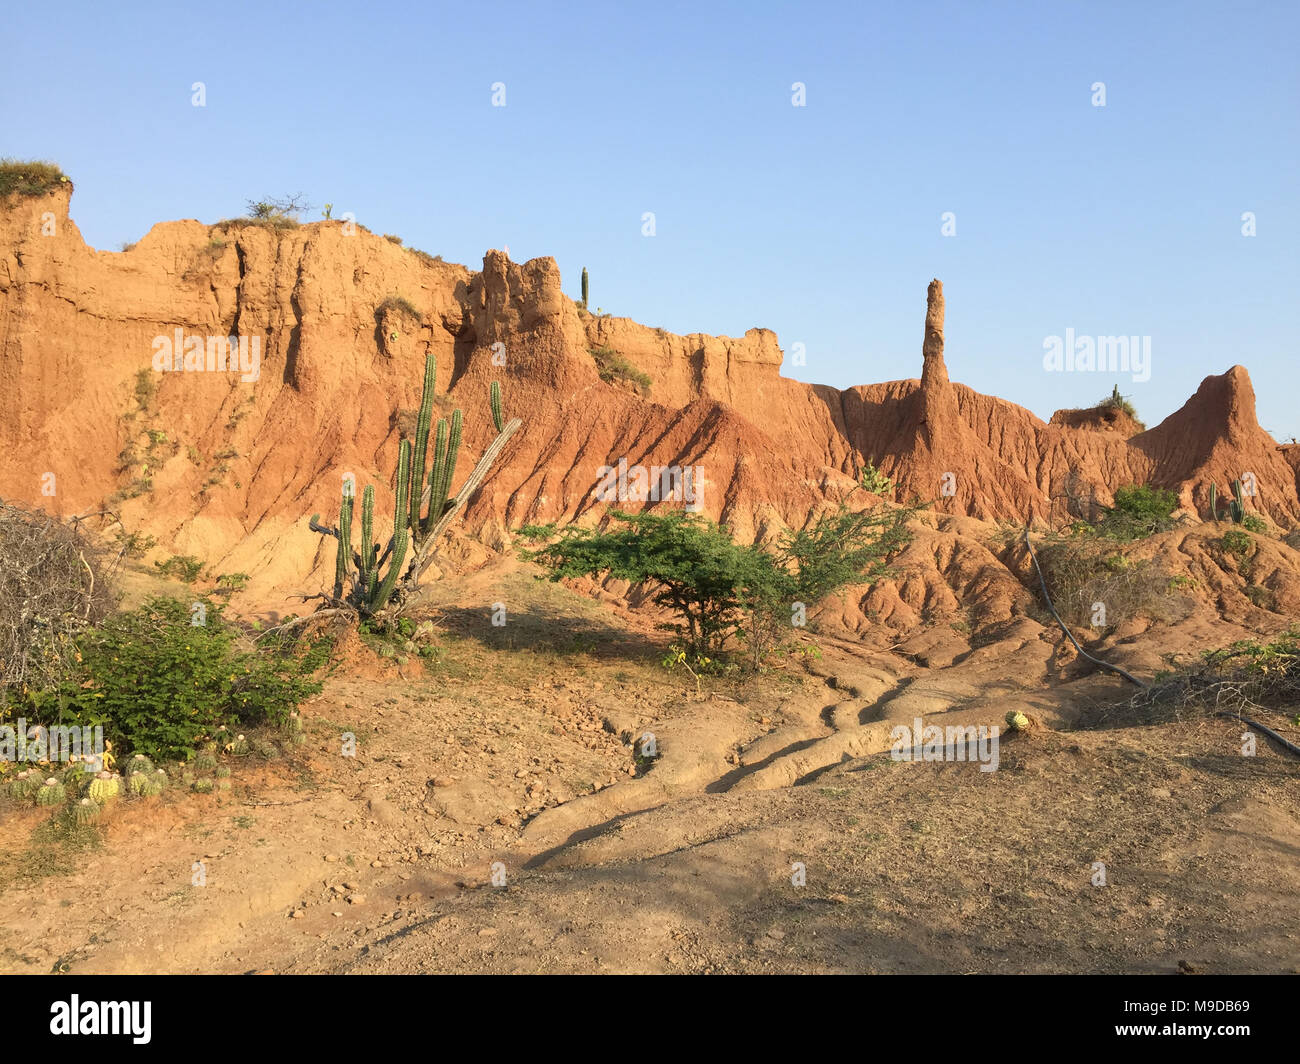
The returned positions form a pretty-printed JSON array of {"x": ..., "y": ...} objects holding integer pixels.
[{"x": 230, "y": 470}]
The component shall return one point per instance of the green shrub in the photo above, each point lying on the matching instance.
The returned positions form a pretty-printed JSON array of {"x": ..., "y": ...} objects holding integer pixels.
[
  {"x": 1115, "y": 401},
  {"x": 161, "y": 685},
  {"x": 1254, "y": 523},
  {"x": 393, "y": 239},
  {"x": 184, "y": 567},
  {"x": 720, "y": 589},
  {"x": 1139, "y": 511},
  {"x": 1236, "y": 543},
  {"x": 614, "y": 367},
  {"x": 874, "y": 481},
  {"x": 29, "y": 178}
]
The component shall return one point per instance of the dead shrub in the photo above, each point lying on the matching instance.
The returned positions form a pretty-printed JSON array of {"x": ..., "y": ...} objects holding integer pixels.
[{"x": 54, "y": 584}]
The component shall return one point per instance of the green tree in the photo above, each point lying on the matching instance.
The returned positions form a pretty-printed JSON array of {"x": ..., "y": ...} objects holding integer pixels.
[{"x": 719, "y": 589}]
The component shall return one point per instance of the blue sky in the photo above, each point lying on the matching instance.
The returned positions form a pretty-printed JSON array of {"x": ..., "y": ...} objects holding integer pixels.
[{"x": 821, "y": 222}]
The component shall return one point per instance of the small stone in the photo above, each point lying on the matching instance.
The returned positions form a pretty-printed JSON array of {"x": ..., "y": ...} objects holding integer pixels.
[
  {"x": 297, "y": 914},
  {"x": 331, "y": 858},
  {"x": 356, "y": 899},
  {"x": 1161, "y": 792},
  {"x": 376, "y": 864},
  {"x": 521, "y": 774}
]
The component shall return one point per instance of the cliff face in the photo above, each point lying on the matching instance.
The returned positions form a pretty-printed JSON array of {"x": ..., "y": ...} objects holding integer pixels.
[{"x": 227, "y": 467}]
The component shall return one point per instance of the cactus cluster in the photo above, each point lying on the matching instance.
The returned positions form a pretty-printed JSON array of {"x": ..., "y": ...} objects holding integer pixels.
[
  {"x": 1236, "y": 508},
  {"x": 367, "y": 578}
]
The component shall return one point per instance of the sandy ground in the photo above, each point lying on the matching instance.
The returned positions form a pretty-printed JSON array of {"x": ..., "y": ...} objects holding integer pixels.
[{"x": 496, "y": 818}]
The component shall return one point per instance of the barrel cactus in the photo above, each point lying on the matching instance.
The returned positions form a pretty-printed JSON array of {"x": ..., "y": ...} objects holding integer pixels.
[
  {"x": 203, "y": 786},
  {"x": 139, "y": 763},
  {"x": 239, "y": 748},
  {"x": 51, "y": 792},
  {"x": 104, "y": 788},
  {"x": 85, "y": 812},
  {"x": 137, "y": 783},
  {"x": 1017, "y": 721},
  {"x": 25, "y": 784},
  {"x": 204, "y": 762}
]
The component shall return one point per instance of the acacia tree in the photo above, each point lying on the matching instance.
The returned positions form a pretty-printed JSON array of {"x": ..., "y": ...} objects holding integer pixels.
[{"x": 719, "y": 589}]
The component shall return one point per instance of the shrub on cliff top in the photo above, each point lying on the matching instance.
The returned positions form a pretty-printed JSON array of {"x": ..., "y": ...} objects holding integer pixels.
[
  {"x": 614, "y": 367},
  {"x": 29, "y": 178}
]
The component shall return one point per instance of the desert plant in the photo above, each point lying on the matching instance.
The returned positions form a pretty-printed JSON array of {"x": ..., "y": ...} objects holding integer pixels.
[
  {"x": 613, "y": 367},
  {"x": 51, "y": 792},
  {"x": 584, "y": 288},
  {"x": 1139, "y": 511},
  {"x": 84, "y": 812},
  {"x": 874, "y": 481},
  {"x": 720, "y": 589},
  {"x": 423, "y": 511},
  {"x": 1115, "y": 401},
  {"x": 53, "y": 586},
  {"x": 184, "y": 567},
  {"x": 29, "y": 178}
]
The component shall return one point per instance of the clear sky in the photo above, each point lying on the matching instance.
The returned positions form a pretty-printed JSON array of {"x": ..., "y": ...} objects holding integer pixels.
[{"x": 822, "y": 222}]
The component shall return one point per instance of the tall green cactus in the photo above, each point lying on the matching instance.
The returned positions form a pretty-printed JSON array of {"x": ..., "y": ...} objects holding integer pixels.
[
  {"x": 343, "y": 561},
  {"x": 1214, "y": 501},
  {"x": 1238, "y": 505},
  {"x": 494, "y": 400},
  {"x": 377, "y": 575},
  {"x": 584, "y": 287},
  {"x": 401, "y": 522},
  {"x": 367, "y": 542}
]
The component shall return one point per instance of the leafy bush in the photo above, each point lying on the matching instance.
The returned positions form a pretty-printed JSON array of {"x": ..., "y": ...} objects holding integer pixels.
[
  {"x": 160, "y": 685},
  {"x": 1254, "y": 523},
  {"x": 29, "y": 178},
  {"x": 185, "y": 567},
  {"x": 1139, "y": 511},
  {"x": 613, "y": 367},
  {"x": 1243, "y": 676}
]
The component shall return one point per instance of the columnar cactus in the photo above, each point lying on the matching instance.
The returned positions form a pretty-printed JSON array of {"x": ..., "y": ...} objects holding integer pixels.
[
  {"x": 425, "y": 505},
  {"x": 494, "y": 400},
  {"x": 1238, "y": 505},
  {"x": 1214, "y": 501},
  {"x": 584, "y": 287}
]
